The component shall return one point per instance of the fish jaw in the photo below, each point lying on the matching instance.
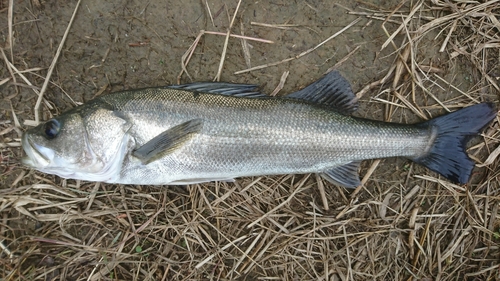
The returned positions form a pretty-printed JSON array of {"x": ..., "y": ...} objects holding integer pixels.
[
  {"x": 37, "y": 157},
  {"x": 43, "y": 158}
]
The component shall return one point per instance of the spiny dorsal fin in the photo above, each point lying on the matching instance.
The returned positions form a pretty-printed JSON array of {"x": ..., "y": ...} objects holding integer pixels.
[
  {"x": 331, "y": 90},
  {"x": 229, "y": 89},
  {"x": 345, "y": 175},
  {"x": 167, "y": 141}
]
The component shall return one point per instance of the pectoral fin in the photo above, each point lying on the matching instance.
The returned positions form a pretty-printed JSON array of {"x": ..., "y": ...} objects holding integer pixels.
[
  {"x": 168, "y": 141},
  {"x": 345, "y": 175}
]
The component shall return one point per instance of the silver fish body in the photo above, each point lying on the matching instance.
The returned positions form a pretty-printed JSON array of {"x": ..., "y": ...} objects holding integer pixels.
[
  {"x": 185, "y": 134},
  {"x": 238, "y": 139}
]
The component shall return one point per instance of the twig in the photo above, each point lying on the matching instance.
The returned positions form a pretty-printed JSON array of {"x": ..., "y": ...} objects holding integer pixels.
[
  {"x": 301, "y": 54},
  {"x": 321, "y": 188},
  {"x": 244, "y": 46},
  {"x": 231, "y": 243},
  {"x": 405, "y": 23},
  {"x": 187, "y": 57},
  {"x": 224, "y": 50},
  {"x": 28, "y": 82},
  {"x": 53, "y": 64},
  {"x": 344, "y": 59},
  {"x": 279, "y": 26},
  {"x": 11, "y": 40},
  {"x": 281, "y": 84},
  {"x": 491, "y": 158},
  {"x": 190, "y": 51},
  {"x": 445, "y": 42},
  {"x": 210, "y": 13},
  {"x": 377, "y": 83},
  {"x": 280, "y": 205},
  {"x": 8, "y": 66},
  {"x": 239, "y": 36}
]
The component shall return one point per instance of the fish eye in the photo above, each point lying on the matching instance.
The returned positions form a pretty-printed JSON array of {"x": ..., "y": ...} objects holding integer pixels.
[{"x": 51, "y": 129}]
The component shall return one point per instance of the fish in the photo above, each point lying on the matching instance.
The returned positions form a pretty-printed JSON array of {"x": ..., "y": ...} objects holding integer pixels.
[{"x": 214, "y": 131}]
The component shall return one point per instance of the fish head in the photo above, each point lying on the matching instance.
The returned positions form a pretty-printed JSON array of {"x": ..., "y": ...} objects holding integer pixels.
[{"x": 85, "y": 143}]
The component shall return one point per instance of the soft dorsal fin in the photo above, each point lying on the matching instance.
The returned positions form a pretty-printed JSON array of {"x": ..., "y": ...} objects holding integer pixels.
[
  {"x": 168, "y": 141},
  {"x": 331, "y": 90},
  {"x": 345, "y": 175},
  {"x": 229, "y": 89}
]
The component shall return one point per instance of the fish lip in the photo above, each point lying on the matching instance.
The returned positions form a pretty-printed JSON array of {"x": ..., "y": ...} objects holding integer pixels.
[{"x": 33, "y": 155}]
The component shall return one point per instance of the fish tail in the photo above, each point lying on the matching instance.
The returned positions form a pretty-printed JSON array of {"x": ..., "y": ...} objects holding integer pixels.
[{"x": 447, "y": 156}]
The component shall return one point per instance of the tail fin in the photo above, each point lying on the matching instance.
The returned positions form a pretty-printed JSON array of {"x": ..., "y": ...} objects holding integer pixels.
[{"x": 447, "y": 156}]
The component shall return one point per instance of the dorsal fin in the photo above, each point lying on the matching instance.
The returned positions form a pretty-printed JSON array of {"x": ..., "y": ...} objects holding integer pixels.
[
  {"x": 229, "y": 89},
  {"x": 331, "y": 90}
]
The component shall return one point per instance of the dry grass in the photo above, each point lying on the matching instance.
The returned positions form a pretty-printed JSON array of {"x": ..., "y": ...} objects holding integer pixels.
[{"x": 282, "y": 228}]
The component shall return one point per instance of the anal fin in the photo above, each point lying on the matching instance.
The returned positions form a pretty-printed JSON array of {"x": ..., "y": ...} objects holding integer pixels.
[
  {"x": 345, "y": 175},
  {"x": 168, "y": 141}
]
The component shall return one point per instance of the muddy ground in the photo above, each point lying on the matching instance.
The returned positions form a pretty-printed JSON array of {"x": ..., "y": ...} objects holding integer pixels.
[{"x": 117, "y": 45}]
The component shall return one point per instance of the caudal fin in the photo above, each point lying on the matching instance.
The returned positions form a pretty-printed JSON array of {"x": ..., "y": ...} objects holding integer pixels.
[{"x": 447, "y": 156}]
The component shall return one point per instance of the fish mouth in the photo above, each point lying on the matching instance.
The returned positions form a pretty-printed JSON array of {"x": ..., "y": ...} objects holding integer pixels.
[{"x": 34, "y": 157}]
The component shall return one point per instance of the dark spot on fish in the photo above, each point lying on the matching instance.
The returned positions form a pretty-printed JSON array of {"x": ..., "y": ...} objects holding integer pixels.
[{"x": 196, "y": 94}]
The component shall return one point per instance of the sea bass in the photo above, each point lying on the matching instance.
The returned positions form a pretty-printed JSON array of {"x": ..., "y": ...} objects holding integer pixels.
[{"x": 203, "y": 132}]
